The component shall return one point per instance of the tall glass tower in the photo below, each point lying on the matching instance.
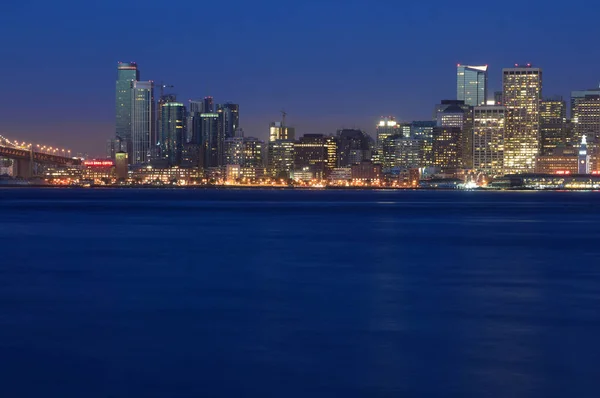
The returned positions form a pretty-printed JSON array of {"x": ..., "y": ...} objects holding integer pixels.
[
  {"x": 127, "y": 74},
  {"x": 173, "y": 119},
  {"x": 471, "y": 84},
  {"x": 142, "y": 122}
]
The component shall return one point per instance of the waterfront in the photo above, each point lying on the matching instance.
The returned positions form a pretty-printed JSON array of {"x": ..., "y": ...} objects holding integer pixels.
[{"x": 295, "y": 293}]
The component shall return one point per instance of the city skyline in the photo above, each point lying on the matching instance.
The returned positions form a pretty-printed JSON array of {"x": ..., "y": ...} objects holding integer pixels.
[{"x": 325, "y": 82}]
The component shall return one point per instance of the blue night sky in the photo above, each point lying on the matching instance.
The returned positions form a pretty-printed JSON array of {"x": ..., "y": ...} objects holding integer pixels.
[{"x": 329, "y": 64}]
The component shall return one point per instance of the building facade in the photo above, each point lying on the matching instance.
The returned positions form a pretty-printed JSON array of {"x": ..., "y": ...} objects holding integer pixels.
[
  {"x": 488, "y": 139},
  {"x": 553, "y": 116},
  {"x": 522, "y": 94},
  {"x": 143, "y": 137},
  {"x": 173, "y": 119},
  {"x": 447, "y": 148},
  {"x": 471, "y": 84},
  {"x": 127, "y": 74}
]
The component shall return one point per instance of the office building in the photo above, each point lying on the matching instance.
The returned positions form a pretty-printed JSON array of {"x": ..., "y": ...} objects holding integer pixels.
[
  {"x": 353, "y": 147},
  {"x": 173, "y": 119},
  {"x": 488, "y": 139},
  {"x": 408, "y": 153},
  {"x": 278, "y": 131},
  {"x": 229, "y": 119},
  {"x": 386, "y": 128},
  {"x": 142, "y": 122},
  {"x": 281, "y": 158},
  {"x": 423, "y": 131},
  {"x": 234, "y": 151},
  {"x": 471, "y": 84},
  {"x": 366, "y": 172},
  {"x": 253, "y": 153},
  {"x": 562, "y": 160},
  {"x": 579, "y": 95},
  {"x": 127, "y": 74},
  {"x": 553, "y": 116},
  {"x": 522, "y": 93},
  {"x": 212, "y": 142},
  {"x": 455, "y": 113},
  {"x": 447, "y": 148},
  {"x": 586, "y": 121},
  {"x": 316, "y": 154}
]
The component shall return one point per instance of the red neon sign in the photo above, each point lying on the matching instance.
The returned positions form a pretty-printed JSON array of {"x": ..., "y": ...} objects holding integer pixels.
[
  {"x": 98, "y": 163},
  {"x": 563, "y": 172}
]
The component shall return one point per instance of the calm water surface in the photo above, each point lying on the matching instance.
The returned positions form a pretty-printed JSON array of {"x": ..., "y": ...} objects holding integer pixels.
[{"x": 236, "y": 293}]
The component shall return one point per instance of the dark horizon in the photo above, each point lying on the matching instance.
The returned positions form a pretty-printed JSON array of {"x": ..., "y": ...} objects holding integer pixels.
[{"x": 328, "y": 66}]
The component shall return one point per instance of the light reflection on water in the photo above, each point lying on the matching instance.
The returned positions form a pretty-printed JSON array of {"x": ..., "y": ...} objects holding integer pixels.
[{"x": 293, "y": 293}]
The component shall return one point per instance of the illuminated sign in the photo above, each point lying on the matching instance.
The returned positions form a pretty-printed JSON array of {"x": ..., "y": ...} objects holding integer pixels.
[
  {"x": 563, "y": 172},
  {"x": 98, "y": 163}
]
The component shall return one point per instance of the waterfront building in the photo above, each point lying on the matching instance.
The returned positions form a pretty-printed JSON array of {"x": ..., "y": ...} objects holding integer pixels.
[
  {"x": 121, "y": 166},
  {"x": 455, "y": 113},
  {"x": 173, "y": 120},
  {"x": 447, "y": 148},
  {"x": 315, "y": 153},
  {"x": 584, "y": 166},
  {"x": 553, "y": 116},
  {"x": 522, "y": 94},
  {"x": 488, "y": 139},
  {"x": 471, "y": 84},
  {"x": 142, "y": 122},
  {"x": 281, "y": 158},
  {"x": 561, "y": 160},
  {"x": 127, "y": 74},
  {"x": 366, "y": 171}
]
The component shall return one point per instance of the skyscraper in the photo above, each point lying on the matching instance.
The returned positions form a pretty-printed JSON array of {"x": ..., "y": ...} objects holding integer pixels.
[
  {"x": 471, "y": 84},
  {"x": 583, "y": 159},
  {"x": 229, "y": 115},
  {"x": 353, "y": 147},
  {"x": 127, "y": 74},
  {"x": 423, "y": 131},
  {"x": 173, "y": 120},
  {"x": 522, "y": 93},
  {"x": 586, "y": 121},
  {"x": 488, "y": 139},
  {"x": 212, "y": 147},
  {"x": 142, "y": 122},
  {"x": 578, "y": 95},
  {"x": 553, "y": 116},
  {"x": 455, "y": 113}
]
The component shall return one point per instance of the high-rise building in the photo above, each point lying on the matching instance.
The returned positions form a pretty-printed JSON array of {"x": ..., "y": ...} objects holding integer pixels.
[
  {"x": 447, "y": 148},
  {"x": 488, "y": 139},
  {"x": 234, "y": 151},
  {"x": 522, "y": 95},
  {"x": 212, "y": 146},
  {"x": 471, "y": 84},
  {"x": 353, "y": 147},
  {"x": 164, "y": 98},
  {"x": 578, "y": 95},
  {"x": 423, "y": 131},
  {"x": 586, "y": 121},
  {"x": 127, "y": 74},
  {"x": 142, "y": 122},
  {"x": 281, "y": 158},
  {"x": 553, "y": 116},
  {"x": 278, "y": 131},
  {"x": 316, "y": 154},
  {"x": 253, "y": 153},
  {"x": 408, "y": 153},
  {"x": 229, "y": 115},
  {"x": 455, "y": 113},
  {"x": 121, "y": 166},
  {"x": 386, "y": 128},
  {"x": 173, "y": 120}
]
